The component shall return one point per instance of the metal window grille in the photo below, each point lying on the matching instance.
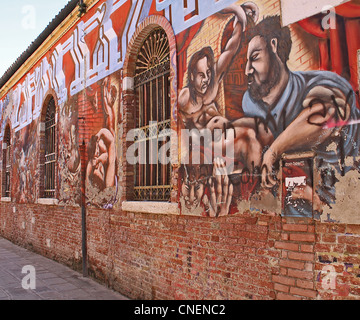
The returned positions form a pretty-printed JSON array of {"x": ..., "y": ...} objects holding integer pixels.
[
  {"x": 7, "y": 164},
  {"x": 50, "y": 151},
  {"x": 152, "y": 83}
]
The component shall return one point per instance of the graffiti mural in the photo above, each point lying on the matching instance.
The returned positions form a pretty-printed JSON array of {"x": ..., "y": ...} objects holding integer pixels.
[
  {"x": 101, "y": 179},
  {"x": 268, "y": 114},
  {"x": 69, "y": 161},
  {"x": 276, "y": 112},
  {"x": 24, "y": 166}
]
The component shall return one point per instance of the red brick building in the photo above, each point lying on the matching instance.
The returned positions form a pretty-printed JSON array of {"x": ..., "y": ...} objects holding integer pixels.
[{"x": 106, "y": 166}]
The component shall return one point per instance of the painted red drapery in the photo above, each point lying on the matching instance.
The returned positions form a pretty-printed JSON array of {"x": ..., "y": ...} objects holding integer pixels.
[
  {"x": 349, "y": 10},
  {"x": 334, "y": 55},
  {"x": 312, "y": 25}
]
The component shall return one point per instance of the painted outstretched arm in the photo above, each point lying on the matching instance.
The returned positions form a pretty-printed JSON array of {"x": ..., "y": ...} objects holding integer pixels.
[
  {"x": 322, "y": 106},
  {"x": 248, "y": 9},
  {"x": 263, "y": 133},
  {"x": 109, "y": 94}
]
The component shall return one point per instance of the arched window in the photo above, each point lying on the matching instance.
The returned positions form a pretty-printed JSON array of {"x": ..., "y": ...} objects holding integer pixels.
[
  {"x": 7, "y": 163},
  {"x": 153, "y": 118},
  {"x": 50, "y": 150}
]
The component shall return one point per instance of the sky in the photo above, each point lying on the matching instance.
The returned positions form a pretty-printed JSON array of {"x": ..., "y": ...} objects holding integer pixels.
[{"x": 21, "y": 22}]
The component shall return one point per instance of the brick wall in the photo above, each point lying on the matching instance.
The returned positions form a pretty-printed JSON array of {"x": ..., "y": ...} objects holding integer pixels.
[
  {"x": 249, "y": 256},
  {"x": 176, "y": 257},
  {"x": 296, "y": 243},
  {"x": 53, "y": 231},
  {"x": 337, "y": 261},
  {"x": 147, "y": 256}
]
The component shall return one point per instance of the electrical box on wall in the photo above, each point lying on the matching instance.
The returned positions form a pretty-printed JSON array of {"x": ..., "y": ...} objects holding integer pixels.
[{"x": 297, "y": 184}]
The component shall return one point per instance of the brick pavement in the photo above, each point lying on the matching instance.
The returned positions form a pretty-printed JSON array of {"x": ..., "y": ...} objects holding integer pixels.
[{"x": 53, "y": 281}]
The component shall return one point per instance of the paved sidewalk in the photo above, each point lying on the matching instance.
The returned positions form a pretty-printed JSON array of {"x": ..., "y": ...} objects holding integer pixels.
[{"x": 53, "y": 280}]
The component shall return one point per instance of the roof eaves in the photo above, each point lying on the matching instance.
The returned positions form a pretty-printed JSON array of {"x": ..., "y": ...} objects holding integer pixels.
[{"x": 60, "y": 17}]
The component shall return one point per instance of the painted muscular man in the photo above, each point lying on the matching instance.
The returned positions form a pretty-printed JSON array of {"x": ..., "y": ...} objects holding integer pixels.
[
  {"x": 197, "y": 100},
  {"x": 304, "y": 110}
]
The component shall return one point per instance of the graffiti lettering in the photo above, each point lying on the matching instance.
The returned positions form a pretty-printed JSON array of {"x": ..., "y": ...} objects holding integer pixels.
[
  {"x": 339, "y": 112},
  {"x": 106, "y": 59},
  {"x": 246, "y": 176},
  {"x": 260, "y": 121},
  {"x": 184, "y": 14}
]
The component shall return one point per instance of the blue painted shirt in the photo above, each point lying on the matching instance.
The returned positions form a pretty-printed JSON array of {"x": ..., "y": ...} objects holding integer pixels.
[{"x": 289, "y": 106}]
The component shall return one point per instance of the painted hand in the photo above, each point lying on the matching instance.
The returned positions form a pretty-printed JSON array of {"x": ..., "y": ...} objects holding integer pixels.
[
  {"x": 243, "y": 13},
  {"x": 221, "y": 191},
  {"x": 268, "y": 176},
  {"x": 251, "y": 10}
]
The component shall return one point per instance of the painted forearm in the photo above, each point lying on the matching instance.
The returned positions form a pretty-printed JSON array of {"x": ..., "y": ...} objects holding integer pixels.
[{"x": 303, "y": 134}]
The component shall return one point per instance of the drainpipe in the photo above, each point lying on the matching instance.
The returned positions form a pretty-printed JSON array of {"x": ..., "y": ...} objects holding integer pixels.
[{"x": 83, "y": 209}]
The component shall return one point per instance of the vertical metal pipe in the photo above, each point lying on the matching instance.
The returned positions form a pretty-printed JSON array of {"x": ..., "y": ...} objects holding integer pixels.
[
  {"x": 83, "y": 210},
  {"x": 84, "y": 246}
]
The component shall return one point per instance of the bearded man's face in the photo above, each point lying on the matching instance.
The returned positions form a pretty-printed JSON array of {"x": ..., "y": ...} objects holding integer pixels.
[{"x": 262, "y": 68}]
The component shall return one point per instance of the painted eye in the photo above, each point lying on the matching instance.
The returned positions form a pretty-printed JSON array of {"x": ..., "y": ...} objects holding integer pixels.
[{"x": 255, "y": 57}]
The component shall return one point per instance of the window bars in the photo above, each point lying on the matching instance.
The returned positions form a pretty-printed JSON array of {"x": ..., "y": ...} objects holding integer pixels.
[
  {"x": 50, "y": 151},
  {"x": 152, "y": 83}
]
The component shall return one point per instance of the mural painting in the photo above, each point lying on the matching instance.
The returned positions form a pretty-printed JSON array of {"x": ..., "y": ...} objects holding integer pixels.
[
  {"x": 86, "y": 95},
  {"x": 281, "y": 112},
  {"x": 101, "y": 170},
  {"x": 24, "y": 166},
  {"x": 259, "y": 129},
  {"x": 69, "y": 161}
]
